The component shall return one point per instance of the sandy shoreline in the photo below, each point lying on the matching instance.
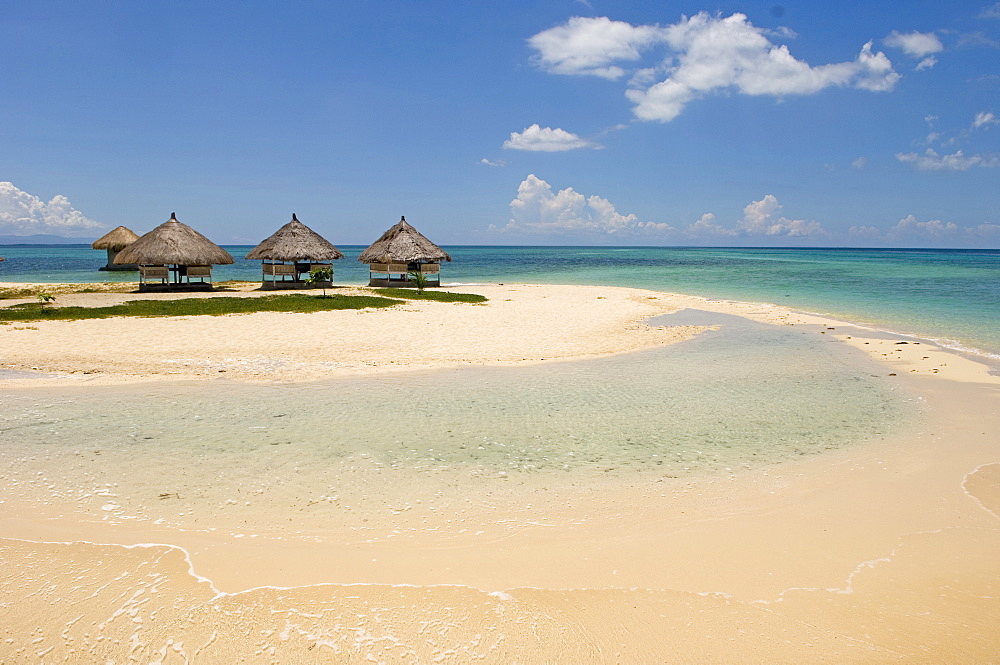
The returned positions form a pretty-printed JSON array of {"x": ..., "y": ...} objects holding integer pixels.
[
  {"x": 519, "y": 324},
  {"x": 879, "y": 553}
]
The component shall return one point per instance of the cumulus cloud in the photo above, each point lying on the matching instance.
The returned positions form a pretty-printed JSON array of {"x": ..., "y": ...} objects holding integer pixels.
[
  {"x": 590, "y": 46},
  {"x": 916, "y": 44},
  {"x": 920, "y": 45},
  {"x": 984, "y": 119},
  {"x": 706, "y": 228},
  {"x": 705, "y": 54},
  {"x": 546, "y": 139},
  {"x": 763, "y": 218},
  {"x": 957, "y": 161},
  {"x": 539, "y": 209},
  {"x": 22, "y": 213},
  {"x": 910, "y": 228}
]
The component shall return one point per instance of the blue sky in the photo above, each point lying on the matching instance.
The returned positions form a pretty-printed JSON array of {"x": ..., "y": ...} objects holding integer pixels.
[{"x": 552, "y": 122}]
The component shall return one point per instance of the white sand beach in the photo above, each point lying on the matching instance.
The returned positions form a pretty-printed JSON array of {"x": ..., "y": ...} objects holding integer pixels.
[{"x": 882, "y": 552}]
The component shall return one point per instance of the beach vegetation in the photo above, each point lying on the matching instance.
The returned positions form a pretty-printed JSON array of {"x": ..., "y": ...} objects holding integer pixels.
[
  {"x": 437, "y": 296},
  {"x": 418, "y": 279},
  {"x": 45, "y": 298},
  {"x": 320, "y": 275},
  {"x": 218, "y": 306}
]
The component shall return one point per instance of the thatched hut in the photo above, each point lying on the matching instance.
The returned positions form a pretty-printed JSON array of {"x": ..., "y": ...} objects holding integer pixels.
[
  {"x": 173, "y": 255},
  {"x": 115, "y": 241},
  {"x": 291, "y": 253},
  {"x": 400, "y": 251}
]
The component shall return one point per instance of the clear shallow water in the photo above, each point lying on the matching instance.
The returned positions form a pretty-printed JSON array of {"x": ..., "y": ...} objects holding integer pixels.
[
  {"x": 308, "y": 457},
  {"x": 941, "y": 294}
]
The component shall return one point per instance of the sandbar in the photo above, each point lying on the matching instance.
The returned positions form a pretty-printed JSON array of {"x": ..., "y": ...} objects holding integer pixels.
[{"x": 878, "y": 553}]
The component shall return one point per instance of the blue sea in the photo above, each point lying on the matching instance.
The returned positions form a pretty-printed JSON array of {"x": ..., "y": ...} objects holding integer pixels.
[{"x": 952, "y": 296}]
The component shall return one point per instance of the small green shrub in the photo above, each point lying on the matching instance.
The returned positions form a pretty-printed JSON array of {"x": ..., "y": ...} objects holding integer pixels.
[{"x": 320, "y": 275}]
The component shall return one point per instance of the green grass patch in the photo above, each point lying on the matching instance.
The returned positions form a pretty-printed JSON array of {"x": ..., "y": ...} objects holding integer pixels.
[
  {"x": 436, "y": 296},
  {"x": 217, "y": 306}
]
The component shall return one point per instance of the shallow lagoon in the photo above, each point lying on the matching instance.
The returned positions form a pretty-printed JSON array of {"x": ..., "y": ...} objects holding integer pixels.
[{"x": 301, "y": 459}]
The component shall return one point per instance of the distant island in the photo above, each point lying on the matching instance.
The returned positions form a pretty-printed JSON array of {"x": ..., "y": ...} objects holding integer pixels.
[{"x": 43, "y": 239}]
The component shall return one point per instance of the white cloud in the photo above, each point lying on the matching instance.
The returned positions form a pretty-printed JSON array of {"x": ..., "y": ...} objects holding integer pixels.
[
  {"x": 993, "y": 11},
  {"x": 591, "y": 45},
  {"x": 546, "y": 139},
  {"x": 538, "y": 209},
  {"x": 909, "y": 228},
  {"x": 864, "y": 233},
  {"x": 915, "y": 44},
  {"x": 984, "y": 232},
  {"x": 707, "y": 54},
  {"x": 761, "y": 218},
  {"x": 957, "y": 161},
  {"x": 911, "y": 232},
  {"x": 706, "y": 226},
  {"x": 24, "y": 214},
  {"x": 860, "y": 162},
  {"x": 984, "y": 120},
  {"x": 920, "y": 45},
  {"x": 492, "y": 162}
]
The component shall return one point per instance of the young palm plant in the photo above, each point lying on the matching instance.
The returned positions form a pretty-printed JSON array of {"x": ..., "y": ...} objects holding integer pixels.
[{"x": 418, "y": 279}]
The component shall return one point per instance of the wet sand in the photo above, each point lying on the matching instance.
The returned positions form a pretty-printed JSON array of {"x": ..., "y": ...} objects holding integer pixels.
[{"x": 878, "y": 553}]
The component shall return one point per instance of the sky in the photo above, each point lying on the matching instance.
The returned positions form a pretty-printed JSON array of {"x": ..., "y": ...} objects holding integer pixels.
[{"x": 552, "y": 122}]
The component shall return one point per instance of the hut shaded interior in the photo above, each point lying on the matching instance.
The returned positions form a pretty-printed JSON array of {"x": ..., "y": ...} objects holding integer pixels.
[
  {"x": 400, "y": 251},
  {"x": 172, "y": 256},
  {"x": 291, "y": 253},
  {"x": 115, "y": 241}
]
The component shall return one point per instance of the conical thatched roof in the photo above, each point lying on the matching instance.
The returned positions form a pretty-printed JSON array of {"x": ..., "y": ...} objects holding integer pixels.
[
  {"x": 176, "y": 244},
  {"x": 116, "y": 239},
  {"x": 295, "y": 242},
  {"x": 404, "y": 244}
]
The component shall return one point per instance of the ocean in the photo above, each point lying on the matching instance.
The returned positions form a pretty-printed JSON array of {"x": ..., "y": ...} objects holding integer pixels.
[{"x": 950, "y": 296}]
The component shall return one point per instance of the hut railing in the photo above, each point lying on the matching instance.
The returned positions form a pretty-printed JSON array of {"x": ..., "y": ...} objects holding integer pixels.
[
  {"x": 199, "y": 272},
  {"x": 279, "y": 269},
  {"x": 148, "y": 273}
]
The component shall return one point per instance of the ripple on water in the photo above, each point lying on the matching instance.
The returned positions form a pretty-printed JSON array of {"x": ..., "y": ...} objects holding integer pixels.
[{"x": 251, "y": 457}]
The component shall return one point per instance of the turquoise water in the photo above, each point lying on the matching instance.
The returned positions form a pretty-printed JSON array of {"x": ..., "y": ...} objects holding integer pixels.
[
  {"x": 951, "y": 295},
  {"x": 310, "y": 457}
]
